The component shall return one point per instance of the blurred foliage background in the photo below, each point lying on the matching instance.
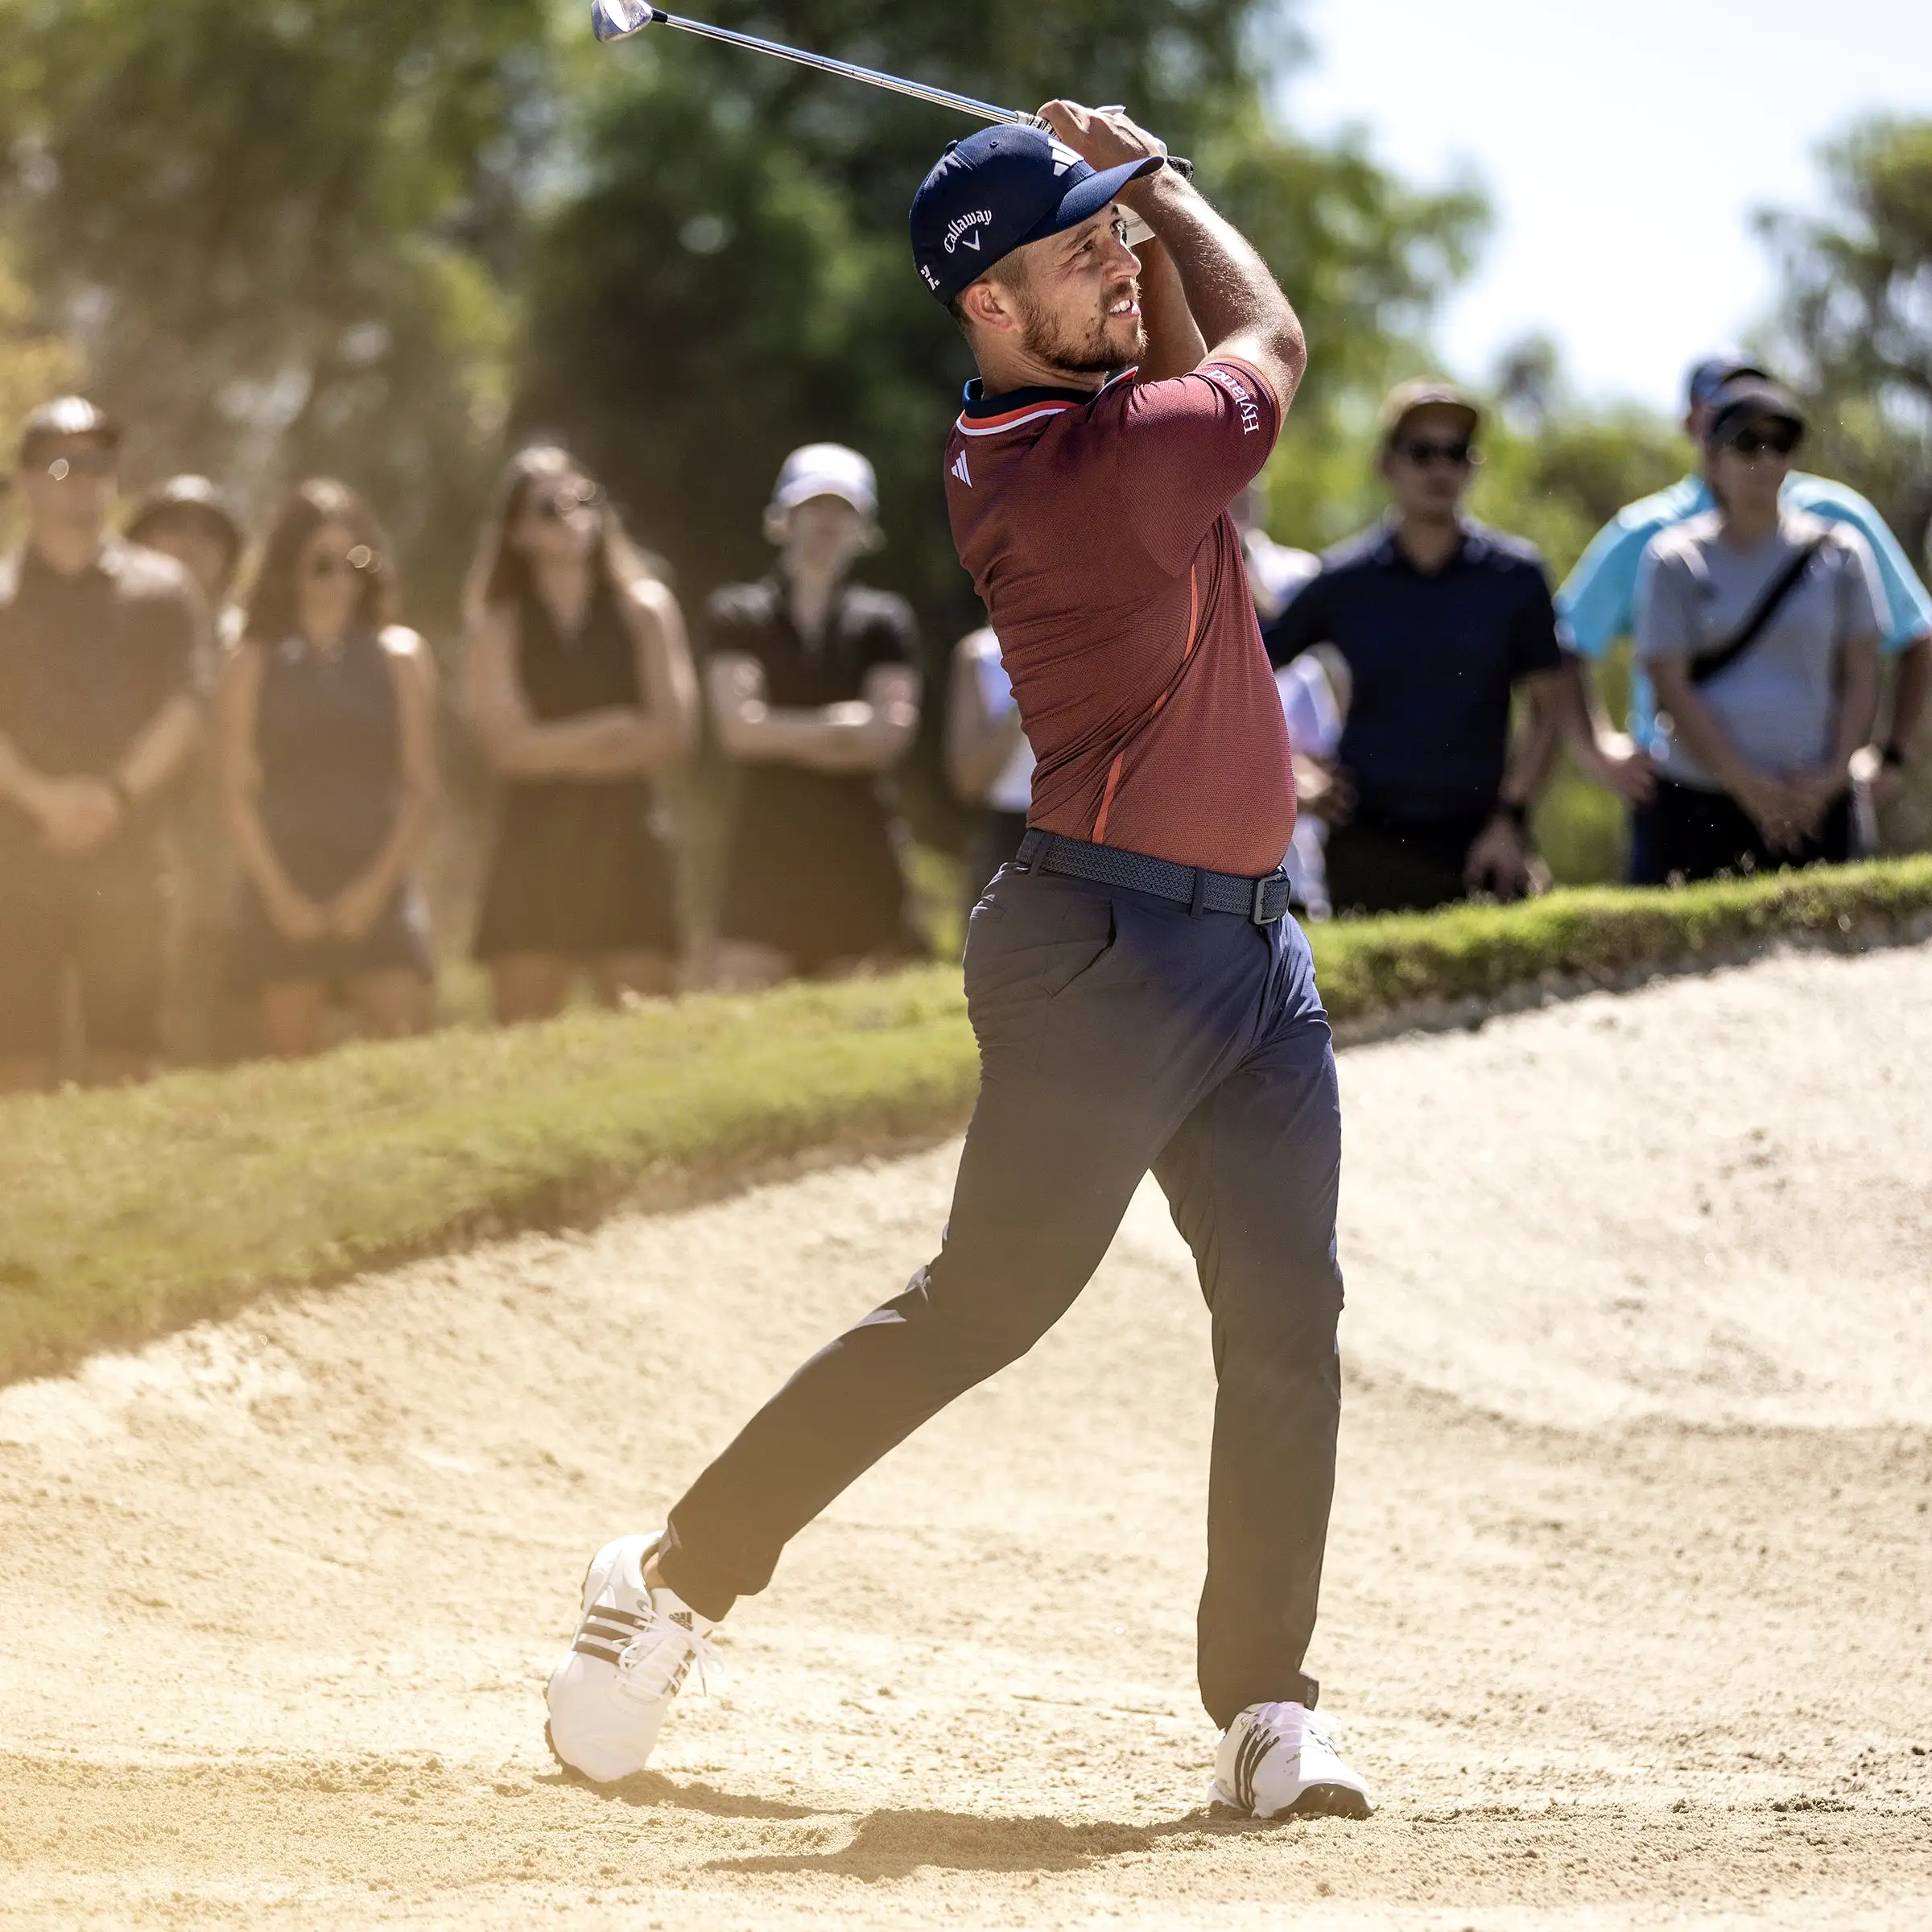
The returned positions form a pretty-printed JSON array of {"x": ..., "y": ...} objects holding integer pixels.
[{"x": 388, "y": 240}]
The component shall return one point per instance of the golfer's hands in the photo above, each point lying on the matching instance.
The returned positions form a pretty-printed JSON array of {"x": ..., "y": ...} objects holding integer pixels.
[{"x": 1102, "y": 140}]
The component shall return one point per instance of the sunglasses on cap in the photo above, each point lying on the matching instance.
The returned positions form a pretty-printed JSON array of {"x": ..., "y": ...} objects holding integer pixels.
[
  {"x": 91, "y": 464},
  {"x": 1423, "y": 452},
  {"x": 1776, "y": 439},
  {"x": 352, "y": 563},
  {"x": 559, "y": 505}
]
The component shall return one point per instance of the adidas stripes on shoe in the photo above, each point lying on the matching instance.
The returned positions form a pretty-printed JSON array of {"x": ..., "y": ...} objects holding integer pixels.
[
  {"x": 1275, "y": 1760},
  {"x": 634, "y": 1645}
]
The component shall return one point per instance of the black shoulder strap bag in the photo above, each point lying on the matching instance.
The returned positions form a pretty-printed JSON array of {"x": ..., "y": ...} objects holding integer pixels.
[{"x": 1706, "y": 664}]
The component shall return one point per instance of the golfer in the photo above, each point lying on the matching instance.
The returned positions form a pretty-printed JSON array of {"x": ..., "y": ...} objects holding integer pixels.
[{"x": 1139, "y": 1000}]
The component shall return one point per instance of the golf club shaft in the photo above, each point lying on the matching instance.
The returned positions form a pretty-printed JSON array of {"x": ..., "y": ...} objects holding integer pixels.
[
  {"x": 940, "y": 97},
  {"x": 620, "y": 19}
]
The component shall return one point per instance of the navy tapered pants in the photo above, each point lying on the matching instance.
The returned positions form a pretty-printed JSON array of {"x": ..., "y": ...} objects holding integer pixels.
[{"x": 1118, "y": 1033}]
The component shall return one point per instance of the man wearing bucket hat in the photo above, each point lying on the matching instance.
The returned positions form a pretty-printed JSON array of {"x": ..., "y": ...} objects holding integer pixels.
[
  {"x": 1139, "y": 999},
  {"x": 814, "y": 697}
]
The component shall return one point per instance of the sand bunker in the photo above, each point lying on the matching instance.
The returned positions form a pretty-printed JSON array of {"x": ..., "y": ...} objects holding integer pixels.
[{"x": 1629, "y": 1600}]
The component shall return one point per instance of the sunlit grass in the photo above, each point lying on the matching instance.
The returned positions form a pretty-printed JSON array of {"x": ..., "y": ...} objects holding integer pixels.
[{"x": 126, "y": 1213}]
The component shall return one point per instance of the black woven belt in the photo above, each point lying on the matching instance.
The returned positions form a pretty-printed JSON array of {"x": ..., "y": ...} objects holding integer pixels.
[{"x": 1263, "y": 900}]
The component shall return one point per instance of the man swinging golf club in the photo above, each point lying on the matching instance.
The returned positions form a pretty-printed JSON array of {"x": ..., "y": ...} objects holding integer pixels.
[{"x": 1139, "y": 999}]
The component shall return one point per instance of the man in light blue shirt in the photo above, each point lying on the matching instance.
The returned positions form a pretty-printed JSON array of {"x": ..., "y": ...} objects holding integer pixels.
[{"x": 1598, "y": 602}]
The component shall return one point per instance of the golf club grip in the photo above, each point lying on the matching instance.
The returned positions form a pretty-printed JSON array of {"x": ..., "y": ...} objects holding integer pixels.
[{"x": 1181, "y": 165}]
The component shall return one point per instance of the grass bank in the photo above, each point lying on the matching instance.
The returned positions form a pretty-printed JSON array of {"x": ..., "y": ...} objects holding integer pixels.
[
  {"x": 1604, "y": 933},
  {"x": 125, "y": 1214}
]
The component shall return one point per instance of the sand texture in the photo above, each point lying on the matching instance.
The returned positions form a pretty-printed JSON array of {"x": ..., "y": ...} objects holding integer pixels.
[{"x": 1629, "y": 1613}]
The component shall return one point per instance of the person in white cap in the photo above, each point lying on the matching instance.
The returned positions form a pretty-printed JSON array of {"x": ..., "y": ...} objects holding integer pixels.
[{"x": 815, "y": 696}]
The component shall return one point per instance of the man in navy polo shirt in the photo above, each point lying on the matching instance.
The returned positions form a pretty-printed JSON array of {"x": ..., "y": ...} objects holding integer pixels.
[
  {"x": 1440, "y": 621},
  {"x": 1139, "y": 999}
]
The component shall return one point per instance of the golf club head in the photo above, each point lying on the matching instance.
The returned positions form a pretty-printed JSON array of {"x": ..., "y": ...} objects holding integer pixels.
[{"x": 619, "y": 19}]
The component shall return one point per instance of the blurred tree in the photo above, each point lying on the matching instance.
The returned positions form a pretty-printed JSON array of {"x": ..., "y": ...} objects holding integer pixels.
[
  {"x": 731, "y": 277},
  {"x": 1854, "y": 325},
  {"x": 34, "y": 362},
  {"x": 1529, "y": 383},
  {"x": 269, "y": 228},
  {"x": 1559, "y": 482},
  {"x": 1853, "y": 332}
]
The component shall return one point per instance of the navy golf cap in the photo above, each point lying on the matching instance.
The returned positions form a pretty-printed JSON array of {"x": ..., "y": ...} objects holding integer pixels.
[
  {"x": 999, "y": 189},
  {"x": 1751, "y": 398},
  {"x": 1710, "y": 375}
]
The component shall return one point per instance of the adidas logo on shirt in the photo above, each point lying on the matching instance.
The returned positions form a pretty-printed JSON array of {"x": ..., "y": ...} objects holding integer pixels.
[{"x": 961, "y": 470}]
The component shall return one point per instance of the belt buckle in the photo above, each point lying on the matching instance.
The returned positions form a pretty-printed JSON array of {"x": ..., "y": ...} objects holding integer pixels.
[{"x": 1260, "y": 913}]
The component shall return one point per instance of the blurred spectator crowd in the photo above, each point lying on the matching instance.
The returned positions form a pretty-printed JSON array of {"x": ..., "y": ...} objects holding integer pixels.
[{"x": 219, "y": 749}]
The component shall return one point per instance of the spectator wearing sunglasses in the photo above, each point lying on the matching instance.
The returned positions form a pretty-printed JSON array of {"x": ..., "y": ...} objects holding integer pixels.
[
  {"x": 1439, "y": 621},
  {"x": 1759, "y": 624},
  {"x": 1598, "y": 601},
  {"x": 99, "y": 646},
  {"x": 580, "y": 688},
  {"x": 328, "y": 744}
]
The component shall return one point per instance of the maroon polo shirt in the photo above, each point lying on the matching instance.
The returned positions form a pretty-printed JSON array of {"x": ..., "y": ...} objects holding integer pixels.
[{"x": 1096, "y": 530}]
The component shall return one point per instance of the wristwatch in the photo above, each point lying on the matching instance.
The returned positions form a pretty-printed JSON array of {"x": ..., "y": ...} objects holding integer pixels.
[{"x": 1515, "y": 811}]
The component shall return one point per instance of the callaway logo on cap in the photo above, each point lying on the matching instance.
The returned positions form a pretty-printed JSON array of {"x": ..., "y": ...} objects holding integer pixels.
[{"x": 998, "y": 190}]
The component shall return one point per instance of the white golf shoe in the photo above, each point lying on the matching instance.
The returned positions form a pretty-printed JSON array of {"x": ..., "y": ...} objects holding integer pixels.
[
  {"x": 1276, "y": 1761},
  {"x": 608, "y": 1698}
]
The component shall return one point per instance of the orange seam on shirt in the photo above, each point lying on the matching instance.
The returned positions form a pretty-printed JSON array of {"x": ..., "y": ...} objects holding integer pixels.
[
  {"x": 1113, "y": 779},
  {"x": 1119, "y": 757},
  {"x": 1012, "y": 416}
]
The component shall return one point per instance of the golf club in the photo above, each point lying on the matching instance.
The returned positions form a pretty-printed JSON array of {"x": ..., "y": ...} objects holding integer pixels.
[{"x": 620, "y": 19}]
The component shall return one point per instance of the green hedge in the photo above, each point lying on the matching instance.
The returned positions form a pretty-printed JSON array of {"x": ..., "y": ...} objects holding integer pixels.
[
  {"x": 128, "y": 1213},
  {"x": 1606, "y": 933}
]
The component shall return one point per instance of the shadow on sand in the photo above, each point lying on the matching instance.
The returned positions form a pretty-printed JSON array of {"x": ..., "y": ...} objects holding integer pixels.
[
  {"x": 650, "y": 1788},
  {"x": 893, "y": 1845}
]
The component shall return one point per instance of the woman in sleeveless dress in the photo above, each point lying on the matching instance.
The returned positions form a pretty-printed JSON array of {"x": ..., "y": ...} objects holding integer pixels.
[
  {"x": 580, "y": 688},
  {"x": 327, "y": 736}
]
